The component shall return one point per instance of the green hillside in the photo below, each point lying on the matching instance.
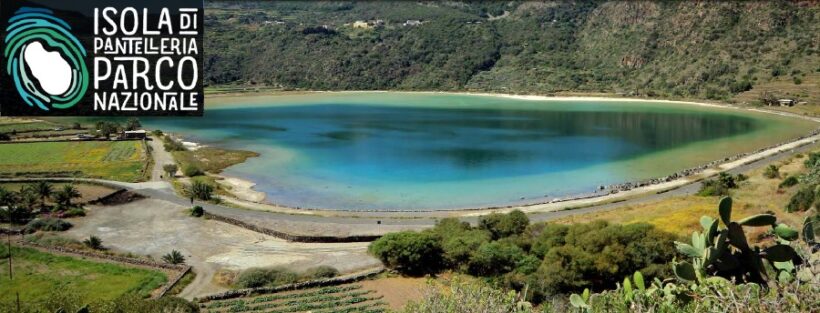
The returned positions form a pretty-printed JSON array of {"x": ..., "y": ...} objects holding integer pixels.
[{"x": 709, "y": 50}]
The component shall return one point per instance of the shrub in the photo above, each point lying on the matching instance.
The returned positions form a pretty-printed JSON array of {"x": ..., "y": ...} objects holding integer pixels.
[
  {"x": 409, "y": 252},
  {"x": 493, "y": 258},
  {"x": 467, "y": 296},
  {"x": 74, "y": 212},
  {"x": 320, "y": 272},
  {"x": 174, "y": 257},
  {"x": 197, "y": 211},
  {"x": 504, "y": 225},
  {"x": 93, "y": 242},
  {"x": 48, "y": 224},
  {"x": 157, "y": 133},
  {"x": 4, "y": 137},
  {"x": 260, "y": 277},
  {"x": 201, "y": 190},
  {"x": 596, "y": 255},
  {"x": 772, "y": 171},
  {"x": 172, "y": 145},
  {"x": 191, "y": 170},
  {"x": 788, "y": 182},
  {"x": 719, "y": 186},
  {"x": 802, "y": 200}
]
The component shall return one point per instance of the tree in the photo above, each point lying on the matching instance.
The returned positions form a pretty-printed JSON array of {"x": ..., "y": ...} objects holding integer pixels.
[
  {"x": 7, "y": 198},
  {"x": 44, "y": 190},
  {"x": 174, "y": 257},
  {"x": 27, "y": 198},
  {"x": 133, "y": 123},
  {"x": 412, "y": 253},
  {"x": 170, "y": 170},
  {"x": 64, "y": 196},
  {"x": 4, "y": 137},
  {"x": 105, "y": 128},
  {"x": 93, "y": 242}
]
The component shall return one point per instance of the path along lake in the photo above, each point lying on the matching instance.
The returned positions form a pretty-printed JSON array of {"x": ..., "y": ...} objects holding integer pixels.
[{"x": 425, "y": 151}]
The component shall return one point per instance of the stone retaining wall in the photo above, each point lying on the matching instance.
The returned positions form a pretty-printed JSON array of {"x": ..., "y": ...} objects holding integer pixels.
[
  {"x": 115, "y": 258},
  {"x": 290, "y": 237},
  {"x": 339, "y": 280},
  {"x": 172, "y": 282}
]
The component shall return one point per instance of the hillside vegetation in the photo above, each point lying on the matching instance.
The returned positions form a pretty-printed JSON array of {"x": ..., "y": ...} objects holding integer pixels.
[{"x": 708, "y": 50}]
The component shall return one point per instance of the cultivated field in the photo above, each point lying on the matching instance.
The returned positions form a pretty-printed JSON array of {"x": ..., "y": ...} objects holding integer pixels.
[
  {"x": 335, "y": 299},
  {"x": 37, "y": 274},
  {"x": 116, "y": 160}
]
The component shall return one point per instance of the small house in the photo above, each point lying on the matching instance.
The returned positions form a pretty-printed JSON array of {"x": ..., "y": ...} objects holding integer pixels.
[
  {"x": 412, "y": 23},
  {"x": 786, "y": 102},
  {"x": 134, "y": 134}
]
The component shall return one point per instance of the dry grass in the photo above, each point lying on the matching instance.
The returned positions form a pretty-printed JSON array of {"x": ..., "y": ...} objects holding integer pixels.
[
  {"x": 681, "y": 215},
  {"x": 808, "y": 90},
  {"x": 397, "y": 291}
]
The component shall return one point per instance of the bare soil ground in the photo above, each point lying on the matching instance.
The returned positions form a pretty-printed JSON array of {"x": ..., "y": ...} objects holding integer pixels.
[
  {"x": 155, "y": 227},
  {"x": 397, "y": 291}
]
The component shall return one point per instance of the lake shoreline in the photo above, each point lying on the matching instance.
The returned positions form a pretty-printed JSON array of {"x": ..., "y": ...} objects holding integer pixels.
[{"x": 600, "y": 195}]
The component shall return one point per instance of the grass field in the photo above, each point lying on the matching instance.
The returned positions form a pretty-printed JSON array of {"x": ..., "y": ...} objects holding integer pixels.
[
  {"x": 12, "y": 126},
  {"x": 116, "y": 160},
  {"x": 336, "y": 299},
  {"x": 681, "y": 215},
  {"x": 36, "y": 274}
]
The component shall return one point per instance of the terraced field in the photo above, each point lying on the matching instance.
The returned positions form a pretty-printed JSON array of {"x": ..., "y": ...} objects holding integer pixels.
[
  {"x": 335, "y": 299},
  {"x": 116, "y": 160}
]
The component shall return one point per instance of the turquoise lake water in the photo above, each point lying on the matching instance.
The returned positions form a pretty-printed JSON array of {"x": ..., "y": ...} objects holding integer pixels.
[{"x": 397, "y": 151}]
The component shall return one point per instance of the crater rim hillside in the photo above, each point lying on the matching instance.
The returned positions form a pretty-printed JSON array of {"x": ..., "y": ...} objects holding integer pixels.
[{"x": 676, "y": 49}]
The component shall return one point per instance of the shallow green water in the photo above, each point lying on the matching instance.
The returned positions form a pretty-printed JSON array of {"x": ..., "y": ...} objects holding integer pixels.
[{"x": 397, "y": 151}]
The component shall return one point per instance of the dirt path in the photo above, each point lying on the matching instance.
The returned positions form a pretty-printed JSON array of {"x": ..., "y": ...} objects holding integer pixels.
[
  {"x": 161, "y": 157},
  {"x": 155, "y": 227}
]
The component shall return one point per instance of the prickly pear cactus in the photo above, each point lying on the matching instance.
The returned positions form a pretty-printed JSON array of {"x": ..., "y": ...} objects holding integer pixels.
[{"x": 723, "y": 250}]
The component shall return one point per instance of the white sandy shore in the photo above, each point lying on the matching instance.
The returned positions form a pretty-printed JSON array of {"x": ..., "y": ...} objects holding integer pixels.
[
  {"x": 246, "y": 195},
  {"x": 242, "y": 189}
]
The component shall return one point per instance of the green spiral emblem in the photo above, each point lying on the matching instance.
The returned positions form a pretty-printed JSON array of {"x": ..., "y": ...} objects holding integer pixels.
[{"x": 45, "y": 60}]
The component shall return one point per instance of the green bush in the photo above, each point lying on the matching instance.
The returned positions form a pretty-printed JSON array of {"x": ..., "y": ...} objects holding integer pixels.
[
  {"x": 74, "y": 212},
  {"x": 409, "y": 252},
  {"x": 494, "y": 258},
  {"x": 174, "y": 257},
  {"x": 48, "y": 224},
  {"x": 596, "y": 255},
  {"x": 200, "y": 190},
  {"x": 191, "y": 170},
  {"x": 802, "y": 200},
  {"x": 93, "y": 242},
  {"x": 197, "y": 211},
  {"x": 719, "y": 186},
  {"x": 320, "y": 272},
  {"x": 772, "y": 171},
  {"x": 504, "y": 225},
  {"x": 788, "y": 182},
  {"x": 260, "y": 277}
]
